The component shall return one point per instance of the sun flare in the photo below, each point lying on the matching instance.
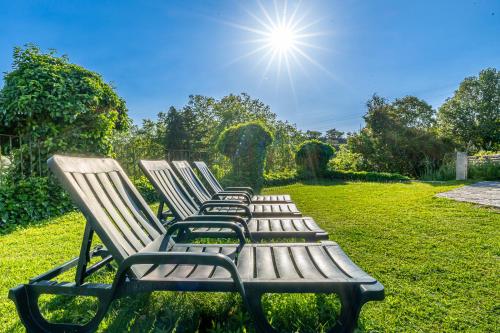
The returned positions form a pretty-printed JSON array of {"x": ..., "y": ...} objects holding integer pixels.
[{"x": 282, "y": 37}]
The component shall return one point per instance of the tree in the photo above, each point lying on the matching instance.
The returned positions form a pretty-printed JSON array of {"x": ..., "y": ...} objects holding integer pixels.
[
  {"x": 411, "y": 111},
  {"x": 394, "y": 139},
  {"x": 472, "y": 116},
  {"x": 69, "y": 108},
  {"x": 334, "y": 137},
  {"x": 313, "y": 135}
]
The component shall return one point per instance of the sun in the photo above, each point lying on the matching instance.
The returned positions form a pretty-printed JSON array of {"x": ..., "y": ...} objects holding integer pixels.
[{"x": 283, "y": 38}]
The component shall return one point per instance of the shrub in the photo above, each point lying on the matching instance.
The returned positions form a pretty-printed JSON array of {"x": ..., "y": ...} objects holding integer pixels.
[
  {"x": 345, "y": 160},
  {"x": 280, "y": 178},
  {"x": 484, "y": 170},
  {"x": 446, "y": 171},
  {"x": 366, "y": 176},
  {"x": 246, "y": 147},
  {"x": 68, "y": 107},
  {"x": 30, "y": 200},
  {"x": 290, "y": 177},
  {"x": 312, "y": 158},
  {"x": 147, "y": 190}
]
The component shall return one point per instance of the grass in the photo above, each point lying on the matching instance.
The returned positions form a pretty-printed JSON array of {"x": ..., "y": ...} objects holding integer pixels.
[{"x": 438, "y": 260}]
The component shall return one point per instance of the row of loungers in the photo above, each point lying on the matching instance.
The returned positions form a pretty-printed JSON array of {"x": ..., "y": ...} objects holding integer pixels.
[
  {"x": 261, "y": 220},
  {"x": 151, "y": 253}
]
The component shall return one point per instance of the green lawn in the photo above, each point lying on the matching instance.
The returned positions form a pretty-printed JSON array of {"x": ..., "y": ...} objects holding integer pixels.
[{"x": 438, "y": 260}]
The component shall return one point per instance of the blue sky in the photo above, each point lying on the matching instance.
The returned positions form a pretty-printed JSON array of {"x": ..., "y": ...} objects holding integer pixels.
[{"x": 157, "y": 53}]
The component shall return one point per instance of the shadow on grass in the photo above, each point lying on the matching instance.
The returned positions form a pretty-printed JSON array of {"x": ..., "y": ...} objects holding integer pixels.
[{"x": 197, "y": 312}]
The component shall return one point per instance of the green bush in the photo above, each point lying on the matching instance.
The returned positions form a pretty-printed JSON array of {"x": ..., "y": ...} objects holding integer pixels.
[
  {"x": 446, "y": 171},
  {"x": 290, "y": 177},
  {"x": 345, "y": 160},
  {"x": 280, "y": 178},
  {"x": 312, "y": 158},
  {"x": 366, "y": 176},
  {"x": 484, "y": 170},
  {"x": 67, "y": 107},
  {"x": 30, "y": 200},
  {"x": 246, "y": 146},
  {"x": 147, "y": 190}
]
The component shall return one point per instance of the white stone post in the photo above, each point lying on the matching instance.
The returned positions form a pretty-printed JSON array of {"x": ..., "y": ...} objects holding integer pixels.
[{"x": 461, "y": 166}]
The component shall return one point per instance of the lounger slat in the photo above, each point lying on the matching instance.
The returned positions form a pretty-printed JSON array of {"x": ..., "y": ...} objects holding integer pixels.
[
  {"x": 264, "y": 225},
  {"x": 265, "y": 263},
  {"x": 122, "y": 209},
  {"x": 107, "y": 225},
  {"x": 162, "y": 271},
  {"x": 284, "y": 263},
  {"x": 204, "y": 271},
  {"x": 222, "y": 273},
  {"x": 174, "y": 194},
  {"x": 275, "y": 225},
  {"x": 113, "y": 213},
  {"x": 324, "y": 263},
  {"x": 304, "y": 264},
  {"x": 299, "y": 225},
  {"x": 106, "y": 222},
  {"x": 166, "y": 186},
  {"x": 344, "y": 263},
  {"x": 128, "y": 201},
  {"x": 184, "y": 271},
  {"x": 287, "y": 225}
]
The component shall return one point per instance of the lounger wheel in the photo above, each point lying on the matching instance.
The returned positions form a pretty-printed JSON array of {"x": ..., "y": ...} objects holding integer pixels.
[{"x": 26, "y": 300}]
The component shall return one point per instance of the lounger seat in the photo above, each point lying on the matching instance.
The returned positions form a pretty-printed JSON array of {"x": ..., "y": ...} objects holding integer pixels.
[
  {"x": 265, "y": 210},
  {"x": 262, "y": 229},
  {"x": 202, "y": 195},
  {"x": 215, "y": 187},
  {"x": 284, "y": 265},
  {"x": 263, "y": 199}
]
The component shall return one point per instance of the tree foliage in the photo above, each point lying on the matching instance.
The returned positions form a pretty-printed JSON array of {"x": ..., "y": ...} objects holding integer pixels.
[
  {"x": 397, "y": 137},
  {"x": 68, "y": 107},
  {"x": 472, "y": 116},
  {"x": 312, "y": 158},
  {"x": 246, "y": 147}
]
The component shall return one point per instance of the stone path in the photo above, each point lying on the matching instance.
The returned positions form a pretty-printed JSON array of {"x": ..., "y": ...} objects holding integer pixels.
[{"x": 483, "y": 193}]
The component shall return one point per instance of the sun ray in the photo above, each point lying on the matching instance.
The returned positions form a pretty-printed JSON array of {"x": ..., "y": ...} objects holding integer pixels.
[{"x": 284, "y": 37}]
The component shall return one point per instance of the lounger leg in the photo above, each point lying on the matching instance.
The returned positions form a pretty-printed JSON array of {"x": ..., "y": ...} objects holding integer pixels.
[
  {"x": 351, "y": 301},
  {"x": 26, "y": 301},
  {"x": 254, "y": 305}
]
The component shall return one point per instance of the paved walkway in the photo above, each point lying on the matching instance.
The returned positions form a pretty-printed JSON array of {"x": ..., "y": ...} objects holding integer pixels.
[{"x": 483, "y": 193}]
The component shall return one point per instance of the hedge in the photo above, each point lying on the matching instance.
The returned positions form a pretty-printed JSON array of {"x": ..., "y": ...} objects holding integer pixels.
[{"x": 290, "y": 177}]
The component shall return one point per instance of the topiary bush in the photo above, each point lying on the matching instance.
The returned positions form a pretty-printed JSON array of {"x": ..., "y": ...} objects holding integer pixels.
[
  {"x": 65, "y": 106},
  {"x": 312, "y": 158},
  {"x": 246, "y": 147}
]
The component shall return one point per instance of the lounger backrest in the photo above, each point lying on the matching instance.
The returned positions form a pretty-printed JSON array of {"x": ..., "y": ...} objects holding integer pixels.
[
  {"x": 170, "y": 188},
  {"x": 193, "y": 182},
  {"x": 111, "y": 204},
  {"x": 211, "y": 181}
]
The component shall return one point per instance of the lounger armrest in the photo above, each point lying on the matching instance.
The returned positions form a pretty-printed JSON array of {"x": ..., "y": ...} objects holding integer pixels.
[
  {"x": 209, "y": 224},
  {"x": 217, "y": 218},
  {"x": 245, "y": 189},
  {"x": 163, "y": 258},
  {"x": 226, "y": 204},
  {"x": 244, "y": 196}
]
